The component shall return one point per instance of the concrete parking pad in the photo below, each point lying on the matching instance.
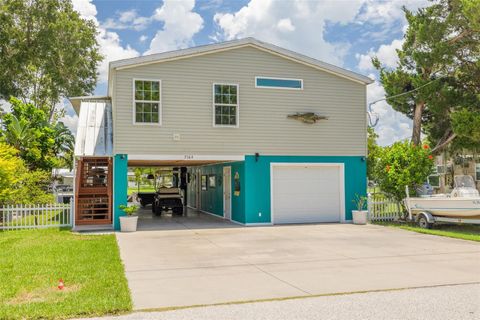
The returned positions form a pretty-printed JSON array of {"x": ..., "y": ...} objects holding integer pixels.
[{"x": 195, "y": 264}]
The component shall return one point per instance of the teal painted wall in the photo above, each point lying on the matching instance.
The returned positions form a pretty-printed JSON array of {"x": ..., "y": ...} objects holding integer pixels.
[
  {"x": 120, "y": 186},
  {"x": 257, "y": 182},
  {"x": 212, "y": 198},
  {"x": 238, "y": 201}
]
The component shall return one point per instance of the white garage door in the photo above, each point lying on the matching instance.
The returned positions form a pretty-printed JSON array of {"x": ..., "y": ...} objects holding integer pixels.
[{"x": 306, "y": 193}]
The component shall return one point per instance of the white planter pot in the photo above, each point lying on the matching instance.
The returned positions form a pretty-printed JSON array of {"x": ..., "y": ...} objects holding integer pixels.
[
  {"x": 128, "y": 224},
  {"x": 359, "y": 217}
]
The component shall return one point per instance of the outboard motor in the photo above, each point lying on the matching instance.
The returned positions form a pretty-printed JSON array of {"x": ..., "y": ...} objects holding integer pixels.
[{"x": 425, "y": 190}]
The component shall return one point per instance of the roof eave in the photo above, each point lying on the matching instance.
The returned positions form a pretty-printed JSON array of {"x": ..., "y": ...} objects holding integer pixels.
[
  {"x": 211, "y": 48},
  {"x": 76, "y": 101}
]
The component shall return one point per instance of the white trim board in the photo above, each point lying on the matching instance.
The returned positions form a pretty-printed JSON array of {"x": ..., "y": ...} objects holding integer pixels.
[
  {"x": 341, "y": 166},
  {"x": 186, "y": 157},
  {"x": 224, "y": 187}
]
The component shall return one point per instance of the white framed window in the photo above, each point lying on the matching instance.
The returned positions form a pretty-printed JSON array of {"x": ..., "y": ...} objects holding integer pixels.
[
  {"x": 147, "y": 101},
  {"x": 278, "y": 83},
  {"x": 225, "y": 105},
  {"x": 434, "y": 180}
]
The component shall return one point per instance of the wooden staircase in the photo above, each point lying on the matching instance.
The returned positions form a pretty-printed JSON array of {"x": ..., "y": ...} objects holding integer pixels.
[{"x": 93, "y": 196}]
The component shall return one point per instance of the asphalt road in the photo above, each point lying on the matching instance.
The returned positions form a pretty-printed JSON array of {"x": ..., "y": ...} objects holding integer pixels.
[{"x": 457, "y": 302}]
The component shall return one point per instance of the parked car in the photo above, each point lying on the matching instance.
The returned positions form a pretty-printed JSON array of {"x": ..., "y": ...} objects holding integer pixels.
[{"x": 168, "y": 199}]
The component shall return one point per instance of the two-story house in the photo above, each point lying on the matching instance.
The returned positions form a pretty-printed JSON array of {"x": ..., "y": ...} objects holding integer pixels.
[{"x": 267, "y": 135}]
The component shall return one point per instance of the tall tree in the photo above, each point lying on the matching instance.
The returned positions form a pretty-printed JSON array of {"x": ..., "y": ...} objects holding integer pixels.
[
  {"x": 373, "y": 150},
  {"x": 439, "y": 68},
  {"x": 47, "y": 51}
]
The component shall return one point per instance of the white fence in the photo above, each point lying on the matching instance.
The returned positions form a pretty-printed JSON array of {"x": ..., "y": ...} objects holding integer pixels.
[
  {"x": 383, "y": 208},
  {"x": 36, "y": 216}
]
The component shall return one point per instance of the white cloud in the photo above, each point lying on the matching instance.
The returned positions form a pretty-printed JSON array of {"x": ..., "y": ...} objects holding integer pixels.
[
  {"x": 110, "y": 44},
  {"x": 143, "y": 38},
  {"x": 392, "y": 125},
  {"x": 285, "y": 25},
  {"x": 180, "y": 24},
  {"x": 86, "y": 9},
  {"x": 71, "y": 122},
  {"x": 386, "y": 53},
  {"x": 388, "y": 12},
  {"x": 296, "y": 25},
  {"x": 5, "y": 106},
  {"x": 127, "y": 20}
]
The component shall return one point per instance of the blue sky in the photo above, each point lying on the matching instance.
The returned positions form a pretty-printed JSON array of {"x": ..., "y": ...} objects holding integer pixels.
[{"x": 342, "y": 32}]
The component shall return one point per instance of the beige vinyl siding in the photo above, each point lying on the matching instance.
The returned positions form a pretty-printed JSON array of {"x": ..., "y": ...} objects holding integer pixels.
[{"x": 187, "y": 108}]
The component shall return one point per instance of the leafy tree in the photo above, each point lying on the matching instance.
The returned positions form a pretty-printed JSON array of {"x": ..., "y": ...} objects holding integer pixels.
[
  {"x": 438, "y": 72},
  {"x": 403, "y": 164},
  {"x": 373, "y": 150},
  {"x": 47, "y": 51},
  {"x": 33, "y": 188},
  {"x": 41, "y": 144},
  {"x": 10, "y": 165},
  {"x": 19, "y": 185},
  {"x": 139, "y": 172}
]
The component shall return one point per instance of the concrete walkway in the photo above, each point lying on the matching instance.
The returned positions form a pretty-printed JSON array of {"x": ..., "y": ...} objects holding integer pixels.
[
  {"x": 461, "y": 302},
  {"x": 212, "y": 263}
]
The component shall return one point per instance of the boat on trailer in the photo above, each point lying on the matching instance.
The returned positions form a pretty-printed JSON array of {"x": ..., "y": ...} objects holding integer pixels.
[{"x": 462, "y": 205}]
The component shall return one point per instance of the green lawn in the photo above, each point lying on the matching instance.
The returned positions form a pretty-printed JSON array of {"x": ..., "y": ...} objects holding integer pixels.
[
  {"x": 142, "y": 189},
  {"x": 465, "y": 231},
  {"x": 32, "y": 262}
]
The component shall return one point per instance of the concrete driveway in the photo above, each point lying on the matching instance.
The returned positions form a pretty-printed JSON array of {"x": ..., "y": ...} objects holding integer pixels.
[{"x": 216, "y": 263}]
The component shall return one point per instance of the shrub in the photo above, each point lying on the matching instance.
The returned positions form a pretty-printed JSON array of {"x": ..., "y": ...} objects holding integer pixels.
[
  {"x": 19, "y": 185},
  {"x": 403, "y": 164}
]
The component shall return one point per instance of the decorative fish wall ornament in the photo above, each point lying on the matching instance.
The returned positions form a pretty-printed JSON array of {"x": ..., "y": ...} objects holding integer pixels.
[{"x": 307, "y": 117}]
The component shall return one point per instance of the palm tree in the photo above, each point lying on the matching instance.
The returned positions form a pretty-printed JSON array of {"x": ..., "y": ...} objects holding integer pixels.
[
  {"x": 64, "y": 143},
  {"x": 17, "y": 134}
]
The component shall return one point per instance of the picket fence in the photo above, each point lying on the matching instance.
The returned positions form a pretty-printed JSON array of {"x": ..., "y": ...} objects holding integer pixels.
[
  {"x": 383, "y": 208},
  {"x": 36, "y": 216}
]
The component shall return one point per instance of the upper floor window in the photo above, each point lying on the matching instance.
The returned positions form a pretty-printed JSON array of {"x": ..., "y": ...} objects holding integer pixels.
[
  {"x": 477, "y": 171},
  {"x": 225, "y": 105},
  {"x": 278, "y": 83},
  {"x": 147, "y": 101}
]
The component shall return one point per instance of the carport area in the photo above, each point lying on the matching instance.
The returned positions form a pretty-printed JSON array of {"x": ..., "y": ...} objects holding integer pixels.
[
  {"x": 190, "y": 219},
  {"x": 177, "y": 194},
  {"x": 224, "y": 263}
]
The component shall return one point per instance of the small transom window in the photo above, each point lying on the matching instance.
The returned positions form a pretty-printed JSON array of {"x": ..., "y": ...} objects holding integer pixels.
[
  {"x": 225, "y": 104},
  {"x": 278, "y": 83},
  {"x": 147, "y": 101}
]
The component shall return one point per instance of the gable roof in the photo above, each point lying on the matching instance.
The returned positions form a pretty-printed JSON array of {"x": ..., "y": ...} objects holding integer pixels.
[{"x": 228, "y": 45}]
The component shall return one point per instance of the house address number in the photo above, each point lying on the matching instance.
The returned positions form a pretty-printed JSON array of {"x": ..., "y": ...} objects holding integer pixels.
[{"x": 188, "y": 157}]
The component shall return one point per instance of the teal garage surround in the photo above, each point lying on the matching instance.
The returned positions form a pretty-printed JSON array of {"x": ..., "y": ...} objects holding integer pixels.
[
  {"x": 120, "y": 187},
  {"x": 257, "y": 182}
]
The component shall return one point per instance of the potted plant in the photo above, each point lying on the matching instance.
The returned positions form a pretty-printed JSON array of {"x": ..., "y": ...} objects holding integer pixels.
[
  {"x": 360, "y": 215},
  {"x": 128, "y": 223}
]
